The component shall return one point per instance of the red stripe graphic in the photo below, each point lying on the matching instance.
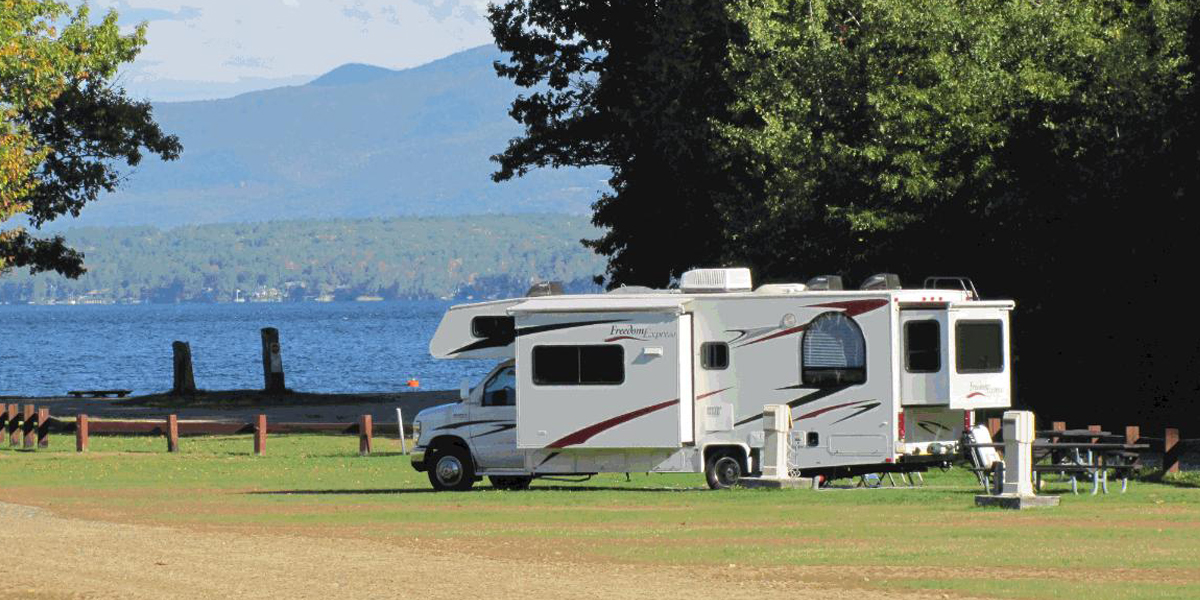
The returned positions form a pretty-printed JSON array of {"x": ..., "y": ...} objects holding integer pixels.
[
  {"x": 702, "y": 396},
  {"x": 975, "y": 394},
  {"x": 787, "y": 331},
  {"x": 821, "y": 411},
  {"x": 854, "y": 308},
  {"x": 625, "y": 337},
  {"x": 591, "y": 431}
]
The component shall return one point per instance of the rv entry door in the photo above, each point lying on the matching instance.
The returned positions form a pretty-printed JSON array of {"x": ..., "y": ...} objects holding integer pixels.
[{"x": 981, "y": 356}]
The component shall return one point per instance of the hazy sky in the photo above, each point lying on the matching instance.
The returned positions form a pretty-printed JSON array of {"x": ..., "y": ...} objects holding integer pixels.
[{"x": 216, "y": 48}]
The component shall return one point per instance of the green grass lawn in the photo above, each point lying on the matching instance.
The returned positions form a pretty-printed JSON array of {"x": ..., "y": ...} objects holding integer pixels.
[{"x": 1143, "y": 544}]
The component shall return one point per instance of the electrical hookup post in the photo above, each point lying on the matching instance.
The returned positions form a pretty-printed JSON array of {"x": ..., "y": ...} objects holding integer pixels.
[
  {"x": 777, "y": 422},
  {"x": 1016, "y": 486}
]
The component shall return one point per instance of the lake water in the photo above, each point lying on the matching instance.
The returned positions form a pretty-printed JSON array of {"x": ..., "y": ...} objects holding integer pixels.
[{"x": 326, "y": 347}]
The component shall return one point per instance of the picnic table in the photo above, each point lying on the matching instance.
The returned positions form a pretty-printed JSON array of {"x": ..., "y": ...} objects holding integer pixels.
[{"x": 1069, "y": 455}]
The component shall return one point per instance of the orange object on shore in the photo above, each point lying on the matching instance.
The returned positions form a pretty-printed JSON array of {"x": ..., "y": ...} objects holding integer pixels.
[{"x": 412, "y": 383}]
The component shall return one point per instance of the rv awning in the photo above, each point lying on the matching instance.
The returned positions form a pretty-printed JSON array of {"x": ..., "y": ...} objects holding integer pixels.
[{"x": 551, "y": 304}]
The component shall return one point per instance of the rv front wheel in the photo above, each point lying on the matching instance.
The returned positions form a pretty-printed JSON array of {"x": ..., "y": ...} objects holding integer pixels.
[
  {"x": 723, "y": 472},
  {"x": 452, "y": 470}
]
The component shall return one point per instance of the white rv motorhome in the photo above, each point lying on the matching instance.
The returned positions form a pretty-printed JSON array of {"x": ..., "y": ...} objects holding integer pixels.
[{"x": 880, "y": 379}]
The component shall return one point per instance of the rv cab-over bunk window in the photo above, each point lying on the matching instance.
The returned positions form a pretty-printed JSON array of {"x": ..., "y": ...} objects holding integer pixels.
[{"x": 833, "y": 351}]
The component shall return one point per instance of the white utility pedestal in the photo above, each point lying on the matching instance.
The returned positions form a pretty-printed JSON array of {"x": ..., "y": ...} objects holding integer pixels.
[
  {"x": 777, "y": 421},
  {"x": 1016, "y": 490}
]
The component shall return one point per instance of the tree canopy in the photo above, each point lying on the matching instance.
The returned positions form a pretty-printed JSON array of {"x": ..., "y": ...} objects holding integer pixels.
[
  {"x": 1049, "y": 149},
  {"x": 64, "y": 125}
]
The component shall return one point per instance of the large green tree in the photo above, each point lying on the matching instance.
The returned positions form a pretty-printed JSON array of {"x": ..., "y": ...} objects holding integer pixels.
[
  {"x": 65, "y": 127},
  {"x": 636, "y": 86}
]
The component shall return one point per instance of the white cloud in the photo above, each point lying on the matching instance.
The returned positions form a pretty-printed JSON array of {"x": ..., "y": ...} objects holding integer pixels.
[{"x": 228, "y": 41}]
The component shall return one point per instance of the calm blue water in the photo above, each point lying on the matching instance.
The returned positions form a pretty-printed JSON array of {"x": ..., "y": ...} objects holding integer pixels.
[{"x": 333, "y": 347}]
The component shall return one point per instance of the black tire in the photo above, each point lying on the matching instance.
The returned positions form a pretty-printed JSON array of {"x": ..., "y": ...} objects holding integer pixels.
[
  {"x": 513, "y": 482},
  {"x": 451, "y": 469},
  {"x": 723, "y": 471}
]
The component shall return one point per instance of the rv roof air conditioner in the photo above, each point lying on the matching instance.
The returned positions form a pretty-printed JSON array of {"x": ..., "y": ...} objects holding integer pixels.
[
  {"x": 882, "y": 281},
  {"x": 715, "y": 280},
  {"x": 545, "y": 288},
  {"x": 826, "y": 282}
]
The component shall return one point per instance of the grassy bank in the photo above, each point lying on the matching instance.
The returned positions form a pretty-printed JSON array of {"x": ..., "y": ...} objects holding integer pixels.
[{"x": 1141, "y": 544}]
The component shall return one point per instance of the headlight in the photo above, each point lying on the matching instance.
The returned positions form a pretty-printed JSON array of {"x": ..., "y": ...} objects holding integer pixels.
[{"x": 416, "y": 429}]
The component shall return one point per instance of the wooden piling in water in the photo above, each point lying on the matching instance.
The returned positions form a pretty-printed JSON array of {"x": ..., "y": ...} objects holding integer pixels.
[
  {"x": 272, "y": 359},
  {"x": 184, "y": 381},
  {"x": 81, "y": 433}
]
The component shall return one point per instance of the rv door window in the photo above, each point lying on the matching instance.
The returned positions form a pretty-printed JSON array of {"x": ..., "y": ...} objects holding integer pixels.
[
  {"x": 980, "y": 346},
  {"x": 501, "y": 389},
  {"x": 714, "y": 355},
  {"x": 833, "y": 351},
  {"x": 493, "y": 327},
  {"x": 922, "y": 346},
  {"x": 579, "y": 365}
]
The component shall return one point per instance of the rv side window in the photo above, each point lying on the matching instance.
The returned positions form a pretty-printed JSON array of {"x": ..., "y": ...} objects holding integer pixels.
[
  {"x": 833, "y": 352},
  {"x": 579, "y": 365},
  {"x": 493, "y": 327},
  {"x": 922, "y": 347},
  {"x": 714, "y": 355},
  {"x": 980, "y": 346}
]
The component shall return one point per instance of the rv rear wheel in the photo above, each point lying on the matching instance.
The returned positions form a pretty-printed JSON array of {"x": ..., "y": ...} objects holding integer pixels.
[
  {"x": 723, "y": 471},
  {"x": 452, "y": 470},
  {"x": 515, "y": 482}
]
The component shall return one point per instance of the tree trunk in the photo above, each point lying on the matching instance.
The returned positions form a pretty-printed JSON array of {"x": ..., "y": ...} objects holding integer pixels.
[{"x": 185, "y": 382}]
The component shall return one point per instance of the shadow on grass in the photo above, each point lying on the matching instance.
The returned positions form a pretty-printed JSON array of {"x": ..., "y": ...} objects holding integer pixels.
[{"x": 532, "y": 490}]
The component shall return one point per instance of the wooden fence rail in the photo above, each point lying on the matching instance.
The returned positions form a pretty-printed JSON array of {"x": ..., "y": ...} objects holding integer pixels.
[{"x": 30, "y": 427}]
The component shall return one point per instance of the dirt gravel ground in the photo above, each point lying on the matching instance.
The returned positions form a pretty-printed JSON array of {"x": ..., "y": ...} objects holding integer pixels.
[{"x": 51, "y": 557}]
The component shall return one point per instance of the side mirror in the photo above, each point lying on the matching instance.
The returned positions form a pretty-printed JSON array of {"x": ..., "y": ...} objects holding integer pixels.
[{"x": 464, "y": 390}]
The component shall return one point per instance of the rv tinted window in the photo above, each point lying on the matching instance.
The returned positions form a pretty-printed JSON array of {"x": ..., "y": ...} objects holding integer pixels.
[
  {"x": 833, "y": 351},
  {"x": 980, "y": 346},
  {"x": 714, "y": 355},
  {"x": 922, "y": 347},
  {"x": 579, "y": 365},
  {"x": 493, "y": 327}
]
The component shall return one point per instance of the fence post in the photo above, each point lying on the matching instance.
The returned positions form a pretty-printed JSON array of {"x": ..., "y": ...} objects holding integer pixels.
[
  {"x": 364, "y": 435},
  {"x": 1171, "y": 450},
  {"x": 30, "y": 426},
  {"x": 272, "y": 360},
  {"x": 172, "y": 433},
  {"x": 5, "y": 418},
  {"x": 1094, "y": 429},
  {"x": 43, "y": 428},
  {"x": 260, "y": 435},
  {"x": 184, "y": 381},
  {"x": 1133, "y": 433},
  {"x": 993, "y": 427},
  {"x": 14, "y": 422},
  {"x": 81, "y": 433}
]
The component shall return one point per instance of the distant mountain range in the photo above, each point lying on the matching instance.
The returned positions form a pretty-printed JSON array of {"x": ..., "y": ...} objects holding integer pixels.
[{"x": 359, "y": 141}]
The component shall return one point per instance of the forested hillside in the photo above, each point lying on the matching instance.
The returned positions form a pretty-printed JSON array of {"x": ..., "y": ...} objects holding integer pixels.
[{"x": 463, "y": 257}]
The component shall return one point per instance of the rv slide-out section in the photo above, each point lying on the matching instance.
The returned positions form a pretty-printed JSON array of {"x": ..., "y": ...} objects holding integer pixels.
[{"x": 604, "y": 380}]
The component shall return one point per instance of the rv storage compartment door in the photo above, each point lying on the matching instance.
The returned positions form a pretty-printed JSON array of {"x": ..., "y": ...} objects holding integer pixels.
[
  {"x": 601, "y": 380},
  {"x": 924, "y": 362},
  {"x": 981, "y": 360}
]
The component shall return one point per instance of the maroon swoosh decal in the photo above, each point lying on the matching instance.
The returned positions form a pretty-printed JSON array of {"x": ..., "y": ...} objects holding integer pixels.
[
  {"x": 625, "y": 337},
  {"x": 702, "y": 396},
  {"x": 591, "y": 431},
  {"x": 854, "y": 308},
  {"x": 821, "y": 411},
  {"x": 788, "y": 331}
]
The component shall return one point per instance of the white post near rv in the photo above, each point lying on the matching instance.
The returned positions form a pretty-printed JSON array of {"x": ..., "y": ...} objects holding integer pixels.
[{"x": 880, "y": 379}]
